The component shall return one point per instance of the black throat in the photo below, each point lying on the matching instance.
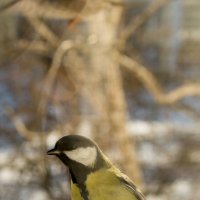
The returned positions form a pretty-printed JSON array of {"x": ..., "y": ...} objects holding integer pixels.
[{"x": 79, "y": 172}]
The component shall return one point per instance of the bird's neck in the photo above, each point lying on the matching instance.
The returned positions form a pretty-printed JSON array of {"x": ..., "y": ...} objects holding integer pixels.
[{"x": 79, "y": 172}]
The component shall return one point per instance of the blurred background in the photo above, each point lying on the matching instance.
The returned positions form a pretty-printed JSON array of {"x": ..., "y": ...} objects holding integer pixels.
[{"x": 125, "y": 73}]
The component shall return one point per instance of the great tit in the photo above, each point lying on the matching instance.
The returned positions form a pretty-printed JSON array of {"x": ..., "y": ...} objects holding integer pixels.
[{"x": 93, "y": 175}]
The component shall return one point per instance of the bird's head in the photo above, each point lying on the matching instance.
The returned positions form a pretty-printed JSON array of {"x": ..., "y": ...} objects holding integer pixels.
[{"x": 76, "y": 150}]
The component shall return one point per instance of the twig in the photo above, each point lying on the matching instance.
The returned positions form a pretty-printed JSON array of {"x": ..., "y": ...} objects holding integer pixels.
[
  {"x": 43, "y": 30},
  {"x": 45, "y": 9},
  {"x": 8, "y": 5},
  {"x": 139, "y": 20},
  {"x": 51, "y": 75},
  {"x": 19, "y": 125},
  {"x": 36, "y": 46},
  {"x": 153, "y": 86}
]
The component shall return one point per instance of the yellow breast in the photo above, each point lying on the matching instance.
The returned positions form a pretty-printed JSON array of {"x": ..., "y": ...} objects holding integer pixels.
[
  {"x": 75, "y": 193},
  {"x": 104, "y": 185}
]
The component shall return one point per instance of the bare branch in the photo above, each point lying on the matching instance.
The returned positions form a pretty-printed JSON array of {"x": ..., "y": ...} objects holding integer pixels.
[
  {"x": 39, "y": 8},
  {"x": 36, "y": 46},
  {"x": 59, "y": 9},
  {"x": 153, "y": 86},
  {"x": 43, "y": 30},
  {"x": 8, "y": 5},
  {"x": 49, "y": 80},
  {"x": 191, "y": 89},
  {"x": 19, "y": 125},
  {"x": 142, "y": 18}
]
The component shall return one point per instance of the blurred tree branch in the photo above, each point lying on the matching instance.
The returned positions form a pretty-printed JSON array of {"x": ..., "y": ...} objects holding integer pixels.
[
  {"x": 39, "y": 8},
  {"x": 58, "y": 9},
  {"x": 39, "y": 47},
  {"x": 19, "y": 125},
  {"x": 51, "y": 75},
  {"x": 8, "y": 4},
  {"x": 153, "y": 86},
  {"x": 139, "y": 20},
  {"x": 43, "y": 30},
  {"x": 105, "y": 84}
]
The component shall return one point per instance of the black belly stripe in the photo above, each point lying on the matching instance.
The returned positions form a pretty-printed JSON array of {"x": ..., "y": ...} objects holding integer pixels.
[{"x": 84, "y": 191}]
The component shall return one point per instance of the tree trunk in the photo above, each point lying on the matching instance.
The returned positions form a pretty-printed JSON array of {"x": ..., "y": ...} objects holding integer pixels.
[{"x": 105, "y": 90}]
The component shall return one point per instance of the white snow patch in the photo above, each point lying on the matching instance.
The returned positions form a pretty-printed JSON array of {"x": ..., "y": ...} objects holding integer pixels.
[
  {"x": 157, "y": 197},
  {"x": 8, "y": 175},
  {"x": 181, "y": 189},
  {"x": 33, "y": 194}
]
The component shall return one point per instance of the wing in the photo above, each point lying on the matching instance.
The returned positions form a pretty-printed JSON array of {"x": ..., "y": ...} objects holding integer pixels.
[{"x": 131, "y": 186}]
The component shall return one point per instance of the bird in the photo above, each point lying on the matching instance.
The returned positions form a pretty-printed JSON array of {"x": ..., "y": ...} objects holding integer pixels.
[{"x": 93, "y": 175}]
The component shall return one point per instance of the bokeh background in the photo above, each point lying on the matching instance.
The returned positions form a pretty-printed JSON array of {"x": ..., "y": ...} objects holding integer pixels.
[{"x": 125, "y": 73}]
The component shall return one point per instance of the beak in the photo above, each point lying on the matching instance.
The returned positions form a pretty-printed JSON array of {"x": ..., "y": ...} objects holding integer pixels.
[{"x": 52, "y": 152}]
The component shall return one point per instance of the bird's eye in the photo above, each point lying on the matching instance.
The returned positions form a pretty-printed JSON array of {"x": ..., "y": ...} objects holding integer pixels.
[{"x": 74, "y": 147}]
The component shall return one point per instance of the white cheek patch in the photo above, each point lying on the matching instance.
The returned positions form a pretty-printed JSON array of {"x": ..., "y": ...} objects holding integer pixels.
[{"x": 86, "y": 156}]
